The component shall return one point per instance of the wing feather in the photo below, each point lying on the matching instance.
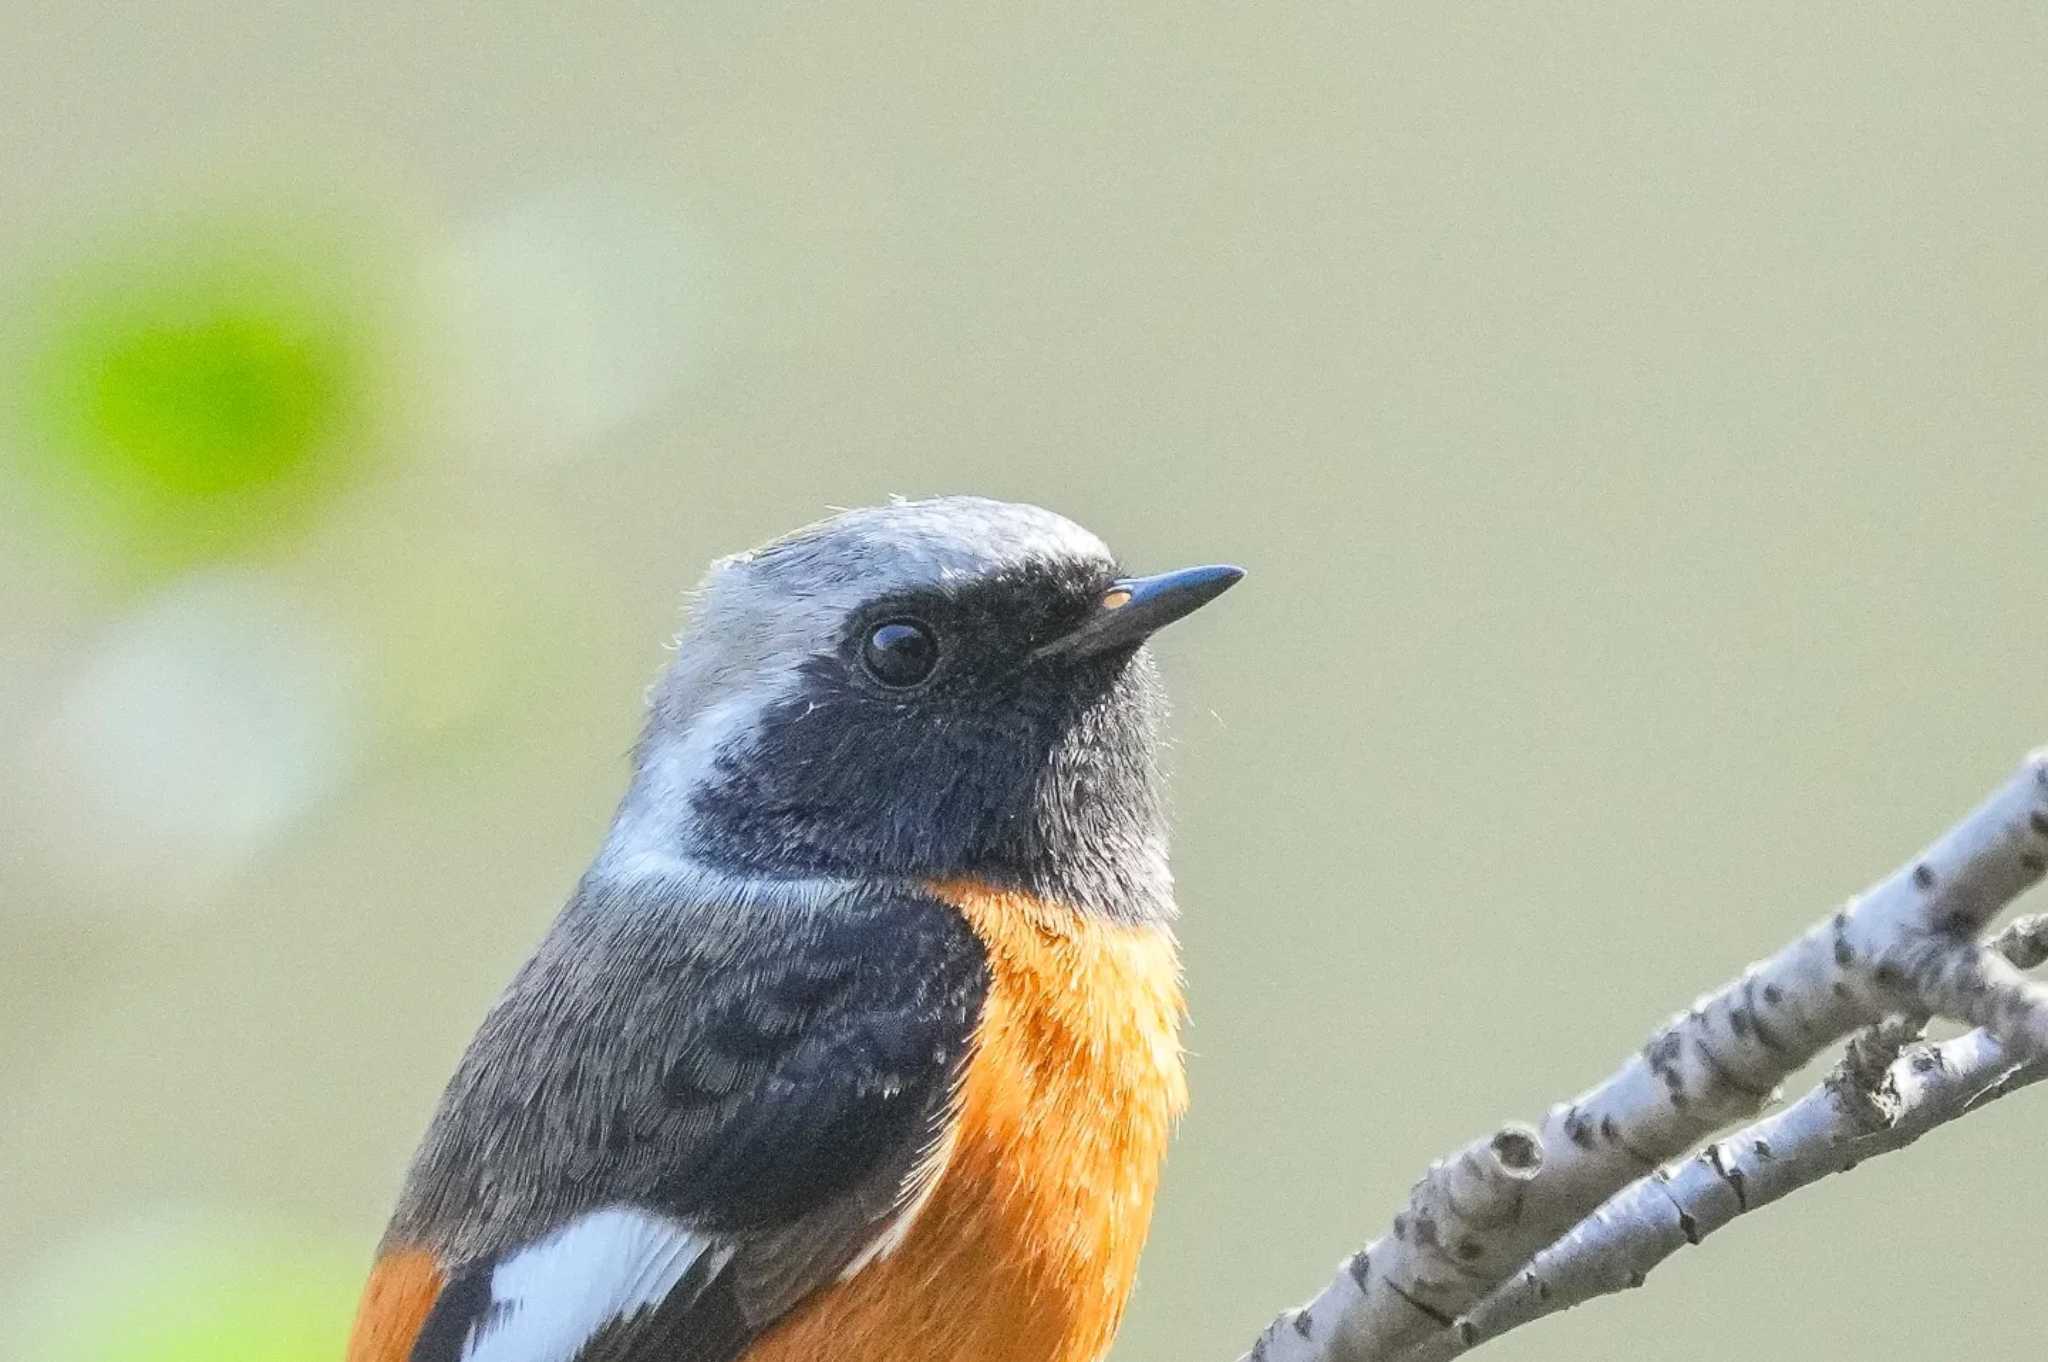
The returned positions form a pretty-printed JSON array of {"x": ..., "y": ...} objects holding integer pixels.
[
  {"x": 681, "y": 1120},
  {"x": 548, "y": 1300}
]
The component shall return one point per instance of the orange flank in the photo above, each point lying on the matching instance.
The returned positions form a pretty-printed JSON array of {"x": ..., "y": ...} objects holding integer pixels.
[
  {"x": 1028, "y": 1244},
  {"x": 400, "y": 1292}
]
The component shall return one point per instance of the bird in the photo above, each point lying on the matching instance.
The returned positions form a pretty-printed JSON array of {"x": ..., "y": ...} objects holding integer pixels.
[{"x": 860, "y": 1037}]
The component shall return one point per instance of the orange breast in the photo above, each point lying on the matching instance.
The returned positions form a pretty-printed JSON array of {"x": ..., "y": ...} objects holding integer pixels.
[
  {"x": 400, "y": 1292},
  {"x": 1029, "y": 1243}
]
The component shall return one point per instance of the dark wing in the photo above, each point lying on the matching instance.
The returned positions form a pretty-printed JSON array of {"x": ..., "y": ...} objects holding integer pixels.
[{"x": 787, "y": 1081}]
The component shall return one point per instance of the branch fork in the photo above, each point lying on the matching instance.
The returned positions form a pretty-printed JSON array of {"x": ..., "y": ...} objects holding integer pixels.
[{"x": 1531, "y": 1220}]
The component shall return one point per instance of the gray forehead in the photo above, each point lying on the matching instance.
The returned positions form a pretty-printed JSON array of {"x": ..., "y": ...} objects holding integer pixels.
[
  {"x": 909, "y": 544},
  {"x": 759, "y": 614}
]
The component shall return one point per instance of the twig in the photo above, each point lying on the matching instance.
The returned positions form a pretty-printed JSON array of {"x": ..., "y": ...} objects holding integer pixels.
[
  {"x": 1907, "y": 945},
  {"x": 1857, "y": 1113}
]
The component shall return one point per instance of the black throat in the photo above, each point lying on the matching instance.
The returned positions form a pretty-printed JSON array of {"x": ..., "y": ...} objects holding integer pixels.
[{"x": 1038, "y": 777}]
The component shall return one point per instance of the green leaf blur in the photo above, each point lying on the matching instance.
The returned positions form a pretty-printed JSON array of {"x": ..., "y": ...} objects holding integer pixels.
[{"x": 196, "y": 400}]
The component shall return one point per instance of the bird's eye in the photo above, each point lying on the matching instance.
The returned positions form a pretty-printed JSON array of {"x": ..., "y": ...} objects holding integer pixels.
[{"x": 900, "y": 653}]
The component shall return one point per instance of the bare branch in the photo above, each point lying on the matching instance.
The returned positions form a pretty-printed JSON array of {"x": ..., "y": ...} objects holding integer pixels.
[
  {"x": 1857, "y": 1113},
  {"x": 1908, "y": 946}
]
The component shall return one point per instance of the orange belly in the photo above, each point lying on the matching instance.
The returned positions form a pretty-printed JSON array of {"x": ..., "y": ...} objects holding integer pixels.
[
  {"x": 395, "y": 1303},
  {"x": 1027, "y": 1247}
]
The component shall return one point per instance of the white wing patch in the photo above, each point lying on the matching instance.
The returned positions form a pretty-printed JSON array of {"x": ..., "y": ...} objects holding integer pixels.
[{"x": 553, "y": 1295}]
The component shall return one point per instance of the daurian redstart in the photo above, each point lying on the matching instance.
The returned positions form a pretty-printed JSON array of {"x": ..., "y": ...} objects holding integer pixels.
[{"x": 860, "y": 1039}]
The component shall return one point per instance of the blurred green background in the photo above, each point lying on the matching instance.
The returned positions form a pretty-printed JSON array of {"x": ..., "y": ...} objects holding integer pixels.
[{"x": 1634, "y": 425}]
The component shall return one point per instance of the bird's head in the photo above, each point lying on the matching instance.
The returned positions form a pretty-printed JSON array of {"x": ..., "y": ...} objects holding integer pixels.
[{"x": 939, "y": 688}]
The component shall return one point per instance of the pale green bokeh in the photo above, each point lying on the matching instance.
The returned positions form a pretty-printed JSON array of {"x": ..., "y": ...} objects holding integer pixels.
[
  {"x": 1634, "y": 423},
  {"x": 194, "y": 390},
  {"x": 206, "y": 1299}
]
